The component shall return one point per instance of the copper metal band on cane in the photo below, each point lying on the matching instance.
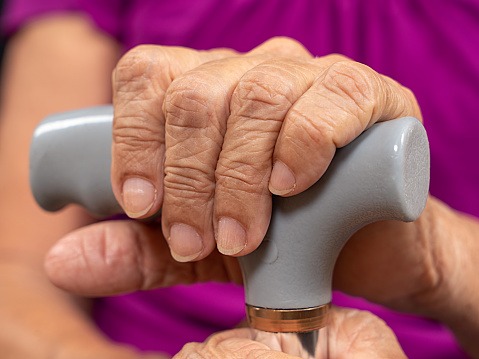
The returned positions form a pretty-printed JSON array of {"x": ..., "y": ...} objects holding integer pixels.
[{"x": 288, "y": 320}]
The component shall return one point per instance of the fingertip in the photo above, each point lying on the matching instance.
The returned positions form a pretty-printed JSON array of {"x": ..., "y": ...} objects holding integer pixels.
[
  {"x": 139, "y": 196},
  {"x": 51, "y": 260},
  {"x": 282, "y": 181},
  {"x": 185, "y": 243},
  {"x": 62, "y": 261},
  {"x": 231, "y": 236}
]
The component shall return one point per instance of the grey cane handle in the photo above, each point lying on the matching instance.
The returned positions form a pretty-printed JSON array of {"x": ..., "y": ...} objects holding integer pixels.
[
  {"x": 70, "y": 160},
  {"x": 383, "y": 174}
]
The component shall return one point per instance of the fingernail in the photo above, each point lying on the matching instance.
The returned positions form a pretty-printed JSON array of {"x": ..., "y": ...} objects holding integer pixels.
[
  {"x": 282, "y": 180},
  {"x": 185, "y": 243},
  {"x": 139, "y": 195},
  {"x": 231, "y": 236}
]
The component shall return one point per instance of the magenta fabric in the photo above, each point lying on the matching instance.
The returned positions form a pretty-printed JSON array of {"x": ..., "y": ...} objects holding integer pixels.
[
  {"x": 106, "y": 14},
  {"x": 163, "y": 319},
  {"x": 429, "y": 46}
]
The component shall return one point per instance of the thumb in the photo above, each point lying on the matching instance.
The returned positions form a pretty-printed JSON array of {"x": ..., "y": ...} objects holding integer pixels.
[{"x": 114, "y": 257}]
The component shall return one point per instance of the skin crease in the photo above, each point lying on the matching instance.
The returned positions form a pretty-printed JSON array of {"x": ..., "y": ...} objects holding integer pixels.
[
  {"x": 226, "y": 123},
  {"x": 345, "y": 328},
  {"x": 53, "y": 324}
]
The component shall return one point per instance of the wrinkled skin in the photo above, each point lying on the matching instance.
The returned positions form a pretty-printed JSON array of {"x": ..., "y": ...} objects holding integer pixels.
[
  {"x": 209, "y": 136},
  {"x": 233, "y": 129},
  {"x": 218, "y": 125},
  {"x": 353, "y": 334}
]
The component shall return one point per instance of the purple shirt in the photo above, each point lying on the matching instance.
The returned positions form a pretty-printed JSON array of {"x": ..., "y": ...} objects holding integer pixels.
[{"x": 429, "y": 46}]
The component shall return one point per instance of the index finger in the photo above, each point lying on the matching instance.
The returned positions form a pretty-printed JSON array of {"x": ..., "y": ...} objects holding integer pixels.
[{"x": 140, "y": 81}]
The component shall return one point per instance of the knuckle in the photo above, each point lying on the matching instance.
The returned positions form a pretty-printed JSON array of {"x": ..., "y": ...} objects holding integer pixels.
[
  {"x": 262, "y": 93},
  {"x": 133, "y": 65},
  {"x": 287, "y": 46},
  {"x": 333, "y": 58},
  {"x": 136, "y": 69},
  {"x": 305, "y": 129},
  {"x": 241, "y": 177},
  {"x": 355, "y": 83},
  {"x": 328, "y": 60},
  {"x": 190, "y": 183},
  {"x": 194, "y": 99},
  {"x": 134, "y": 133},
  {"x": 284, "y": 41},
  {"x": 135, "y": 143}
]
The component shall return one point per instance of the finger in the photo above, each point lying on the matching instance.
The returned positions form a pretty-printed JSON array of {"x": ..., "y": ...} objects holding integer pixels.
[
  {"x": 140, "y": 81},
  {"x": 122, "y": 256},
  {"x": 360, "y": 334},
  {"x": 237, "y": 343},
  {"x": 196, "y": 109},
  {"x": 343, "y": 101},
  {"x": 261, "y": 100},
  {"x": 352, "y": 333}
]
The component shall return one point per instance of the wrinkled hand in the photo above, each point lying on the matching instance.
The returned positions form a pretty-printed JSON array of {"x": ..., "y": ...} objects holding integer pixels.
[
  {"x": 210, "y": 135},
  {"x": 352, "y": 334},
  {"x": 226, "y": 130}
]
